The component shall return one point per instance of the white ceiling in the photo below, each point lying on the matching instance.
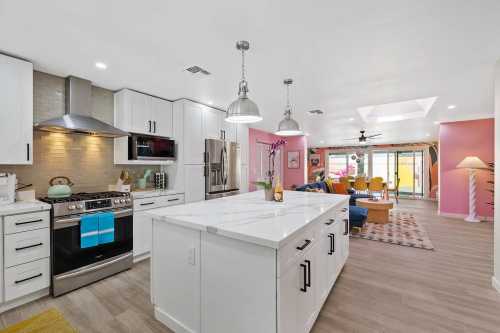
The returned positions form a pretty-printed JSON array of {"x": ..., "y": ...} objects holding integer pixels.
[{"x": 342, "y": 55}]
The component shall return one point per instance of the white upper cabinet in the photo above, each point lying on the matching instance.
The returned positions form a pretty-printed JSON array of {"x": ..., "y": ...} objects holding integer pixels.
[
  {"x": 212, "y": 123},
  {"x": 162, "y": 117},
  {"x": 140, "y": 113},
  {"x": 194, "y": 139},
  {"x": 16, "y": 111}
]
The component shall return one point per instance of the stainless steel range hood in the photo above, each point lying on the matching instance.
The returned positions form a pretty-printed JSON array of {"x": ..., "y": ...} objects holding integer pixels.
[{"x": 78, "y": 118}]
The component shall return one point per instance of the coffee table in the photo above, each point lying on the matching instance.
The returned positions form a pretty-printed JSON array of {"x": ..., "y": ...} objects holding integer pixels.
[{"x": 378, "y": 211}]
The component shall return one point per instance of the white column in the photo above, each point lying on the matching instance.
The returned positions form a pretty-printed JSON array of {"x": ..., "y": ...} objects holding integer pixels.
[{"x": 472, "y": 197}]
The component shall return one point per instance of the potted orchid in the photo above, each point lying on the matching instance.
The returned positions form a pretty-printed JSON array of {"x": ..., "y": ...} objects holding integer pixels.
[{"x": 268, "y": 182}]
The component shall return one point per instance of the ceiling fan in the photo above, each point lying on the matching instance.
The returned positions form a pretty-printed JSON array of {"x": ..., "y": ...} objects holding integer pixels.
[{"x": 363, "y": 138}]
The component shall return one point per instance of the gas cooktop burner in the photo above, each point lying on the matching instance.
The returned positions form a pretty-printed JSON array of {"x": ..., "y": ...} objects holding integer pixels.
[{"x": 86, "y": 196}]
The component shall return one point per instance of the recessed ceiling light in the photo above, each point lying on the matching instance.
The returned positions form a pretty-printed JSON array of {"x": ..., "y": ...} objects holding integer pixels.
[
  {"x": 210, "y": 103},
  {"x": 306, "y": 134},
  {"x": 101, "y": 65},
  {"x": 351, "y": 119},
  {"x": 321, "y": 141},
  {"x": 437, "y": 122},
  {"x": 427, "y": 134},
  {"x": 451, "y": 107}
]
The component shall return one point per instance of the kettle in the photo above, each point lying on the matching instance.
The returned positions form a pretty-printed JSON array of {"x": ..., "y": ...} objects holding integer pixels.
[{"x": 60, "y": 187}]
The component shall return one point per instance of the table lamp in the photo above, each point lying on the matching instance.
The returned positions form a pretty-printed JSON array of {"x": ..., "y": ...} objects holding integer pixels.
[{"x": 472, "y": 163}]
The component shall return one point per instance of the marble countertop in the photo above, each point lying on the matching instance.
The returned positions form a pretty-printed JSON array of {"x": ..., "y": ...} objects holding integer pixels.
[
  {"x": 149, "y": 193},
  {"x": 250, "y": 218},
  {"x": 20, "y": 207}
]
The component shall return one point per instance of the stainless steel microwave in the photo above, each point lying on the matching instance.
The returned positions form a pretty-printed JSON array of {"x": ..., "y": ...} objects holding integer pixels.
[{"x": 150, "y": 147}]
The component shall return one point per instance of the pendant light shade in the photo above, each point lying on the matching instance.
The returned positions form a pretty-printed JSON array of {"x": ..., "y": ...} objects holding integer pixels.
[
  {"x": 243, "y": 110},
  {"x": 288, "y": 126}
]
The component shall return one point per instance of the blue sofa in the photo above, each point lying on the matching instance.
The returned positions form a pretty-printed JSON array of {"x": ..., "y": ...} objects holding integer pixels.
[{"x": 357, "y": 215}]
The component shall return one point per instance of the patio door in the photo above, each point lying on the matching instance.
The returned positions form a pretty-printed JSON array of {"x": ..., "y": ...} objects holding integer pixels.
[{"x": 409, "y": 169}]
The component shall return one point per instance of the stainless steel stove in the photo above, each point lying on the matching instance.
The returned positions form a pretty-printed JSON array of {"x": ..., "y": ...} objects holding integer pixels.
[{"x": 74, "y": 266}]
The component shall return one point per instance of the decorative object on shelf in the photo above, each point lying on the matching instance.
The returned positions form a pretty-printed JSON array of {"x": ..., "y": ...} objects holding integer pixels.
[
  {"x": 278, "y": 191},
  {"x": 293, "y": 158},
  {"x": 288, "y": 126},
  {"x": 472, "y": 163},
  {"x": 243, "y": 110}
]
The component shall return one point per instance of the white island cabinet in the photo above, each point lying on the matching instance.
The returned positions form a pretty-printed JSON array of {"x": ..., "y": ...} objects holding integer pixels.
[{"x": 243, "y": 264}]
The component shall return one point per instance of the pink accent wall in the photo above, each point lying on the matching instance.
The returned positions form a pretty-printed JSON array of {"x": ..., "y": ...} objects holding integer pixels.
[
  {"x": 458, "y": 140},
  {"x": 290, "y": 176}
]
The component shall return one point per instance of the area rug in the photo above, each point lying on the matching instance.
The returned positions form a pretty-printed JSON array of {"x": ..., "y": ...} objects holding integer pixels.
[
  {"x": 50, "y": 321},
  {"x": 403, "y": 229}
]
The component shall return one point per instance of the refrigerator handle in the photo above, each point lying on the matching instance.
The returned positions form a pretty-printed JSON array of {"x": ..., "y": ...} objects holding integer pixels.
[{"x": 225, "y": 165}]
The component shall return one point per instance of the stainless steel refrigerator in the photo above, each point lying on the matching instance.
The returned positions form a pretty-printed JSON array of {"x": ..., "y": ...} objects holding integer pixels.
[{"x": 222, "y": 168}]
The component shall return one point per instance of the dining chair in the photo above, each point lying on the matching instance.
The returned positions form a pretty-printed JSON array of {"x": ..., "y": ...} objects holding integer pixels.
[
  {"x": 395, "y": 190},
  {"x": 345, "y": 181},
  {"x": 376, "y": 186},
  {"x": 360, "y": 184}
]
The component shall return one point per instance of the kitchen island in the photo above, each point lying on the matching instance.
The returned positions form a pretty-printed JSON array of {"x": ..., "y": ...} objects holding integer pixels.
[{"x": 243, "y": 264}]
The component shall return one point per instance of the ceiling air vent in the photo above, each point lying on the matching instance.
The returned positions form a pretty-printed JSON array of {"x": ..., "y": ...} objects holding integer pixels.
[
  {"x": 197, "y": 69},
  {"x": 315, "y": 112}
]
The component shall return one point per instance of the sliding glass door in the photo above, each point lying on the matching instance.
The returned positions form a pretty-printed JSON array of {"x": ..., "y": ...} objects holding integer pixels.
[{"x": 406, "y": 165}]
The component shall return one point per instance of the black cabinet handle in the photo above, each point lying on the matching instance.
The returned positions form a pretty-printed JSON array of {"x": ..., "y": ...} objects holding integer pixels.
[
  {"x": 27, "y": 151},
  {"x": 27, "y": 222},
  {"x": 304, "y": 288},
  {"x": 346, "y": 231},
  {"x": 28, "y": 247},
  {"x": 170, "y": 200},
  {"x": 149, "y": 122},
  {"x": 154, "y": 126},
  {"x": 30, "y": 278},
  {"x": 306, "y": 243},
  {"x": 330, "y": 221},
  {"x": 147, "y": 203},
  {"x": 308, "y": 262},
  {"x": 330, "y": 252}
]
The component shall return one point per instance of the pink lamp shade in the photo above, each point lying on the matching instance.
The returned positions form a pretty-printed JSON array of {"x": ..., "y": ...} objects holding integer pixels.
[{"x": 472, "y": 162}]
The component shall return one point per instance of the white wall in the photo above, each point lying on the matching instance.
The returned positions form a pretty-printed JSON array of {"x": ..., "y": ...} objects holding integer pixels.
[{"x": 496, "y": 253}]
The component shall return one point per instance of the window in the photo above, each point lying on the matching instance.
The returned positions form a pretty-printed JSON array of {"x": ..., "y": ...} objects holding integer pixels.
[{"x": 347, "y": 164}]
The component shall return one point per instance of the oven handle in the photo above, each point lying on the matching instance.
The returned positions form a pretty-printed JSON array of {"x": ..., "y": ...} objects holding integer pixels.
[
  {"x": 72, "y": 221},
  {"x": 93, "y": 268}
]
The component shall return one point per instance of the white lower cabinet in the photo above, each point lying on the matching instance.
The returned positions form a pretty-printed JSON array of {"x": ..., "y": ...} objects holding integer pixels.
[
  {"x": 142, "y": 227},
  {"x": 208, "y": 283},
  {"x": 25, "y": 260},
  {"x": 297, "y": 293},
  {"x": 27, "y": 278}
]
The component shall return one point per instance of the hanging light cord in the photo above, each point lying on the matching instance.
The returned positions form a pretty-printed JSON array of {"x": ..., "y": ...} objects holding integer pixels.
[
  {"x": 288, "y": 108},
  {"x": 243, "y": 65}
]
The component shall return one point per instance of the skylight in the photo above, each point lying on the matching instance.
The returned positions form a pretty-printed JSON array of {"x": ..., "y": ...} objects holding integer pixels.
[{"x": 398, "y": 111}]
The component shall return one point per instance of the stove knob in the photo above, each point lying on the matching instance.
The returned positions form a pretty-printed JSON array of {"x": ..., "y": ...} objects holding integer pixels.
[
  {"x": 80, "y": 206},
  {"x": 129, "y": 200},
  {"x": 122, "y": 200},
  {"x": 117, "y": 201},
  {"x": 71, "y": 207}
]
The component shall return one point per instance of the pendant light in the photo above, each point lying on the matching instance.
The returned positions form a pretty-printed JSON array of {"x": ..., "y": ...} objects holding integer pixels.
[
  {"x": 243, "y": 110},
  {"x": 288, "y": 126}
]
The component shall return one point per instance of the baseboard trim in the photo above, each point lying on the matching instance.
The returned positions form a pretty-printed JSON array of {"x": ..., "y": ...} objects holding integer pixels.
[
  {"x": 463, "y": 216},
  {"x": 495, "y": 283},
  {"x": 170, "y": 321},
  {"x": 24, "y": 299}
]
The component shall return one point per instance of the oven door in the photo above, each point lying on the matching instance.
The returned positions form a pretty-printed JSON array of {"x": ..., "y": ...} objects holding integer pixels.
[
  {"x": 67, "y": 254},
  {"x": 148, "y": 147}
]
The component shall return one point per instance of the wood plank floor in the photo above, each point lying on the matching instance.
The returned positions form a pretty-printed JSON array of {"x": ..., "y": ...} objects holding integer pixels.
[{"x": 383, "y": 288}]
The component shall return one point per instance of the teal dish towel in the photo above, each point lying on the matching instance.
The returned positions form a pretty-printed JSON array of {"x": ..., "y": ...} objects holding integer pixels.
[
  {"x": 106, "y": 227},
  {"x": 89, "y": 231}
]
